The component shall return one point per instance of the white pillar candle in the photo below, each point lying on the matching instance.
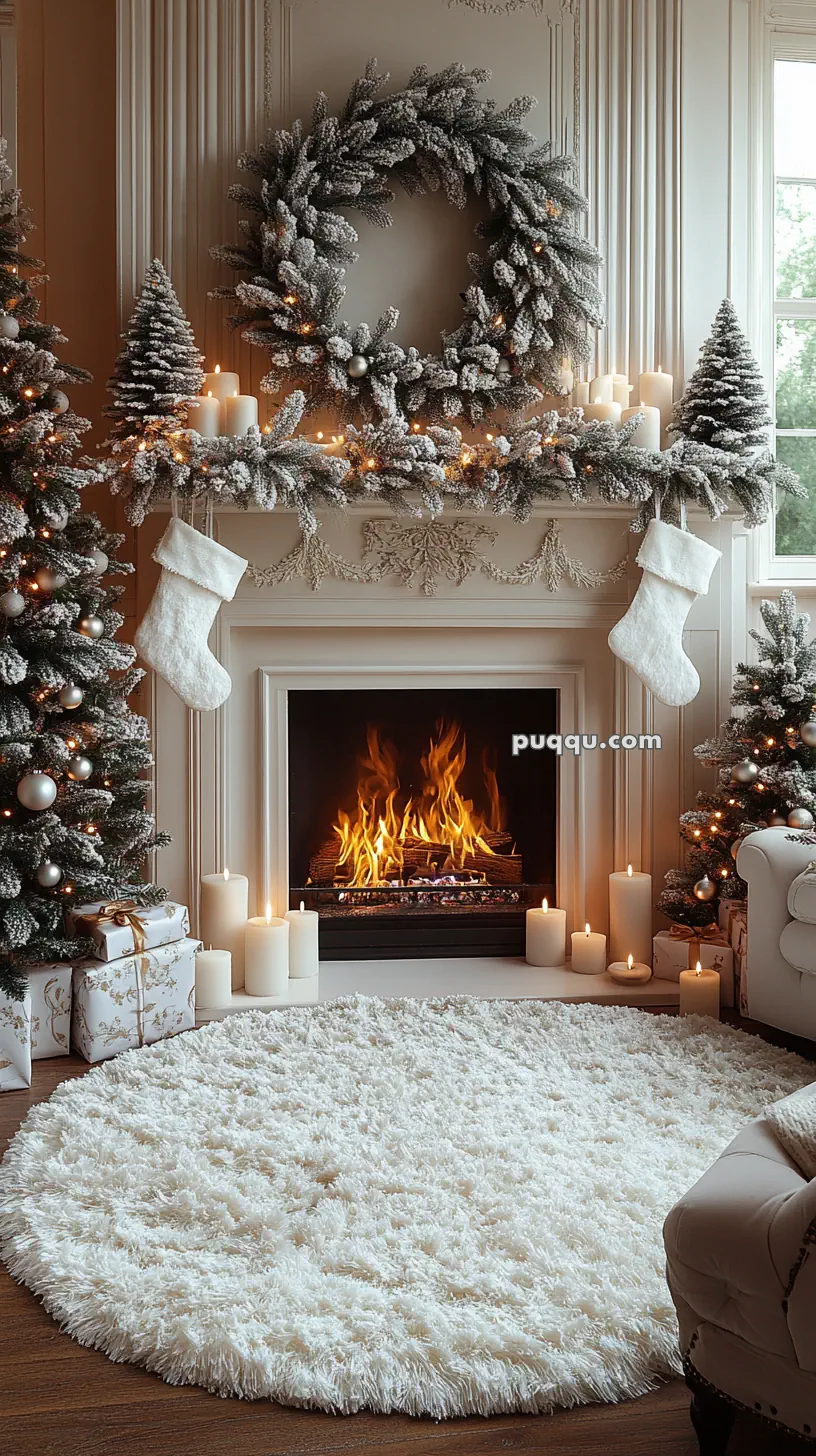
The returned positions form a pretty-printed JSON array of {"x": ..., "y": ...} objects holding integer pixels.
[
  {"x": 266, "y": 970},
  {"x": 223, "y": 917},
  {"x": 566, "y": 378},
  {"x": 647, "y": 434},
  {"x": 621, "y": 389},
  {"x": 546, "y": 936},
  {"x": 609, "y": 411},
  {"x": 630, "y": 916},
  {"x": 600, "y": 389},
  {"x": 700, "y": 993},
  {"x": 580, "y": 393},
  {"x": 240, "y": 413},
  {"x": 588, "y": 952},
  {"x": 657, "y": 389},
  {"x": 630, "y": 972},
  {"x": 213, "y": 978},
  {"x": 204, "y": 415},
  {"x": 303, "y": 942},
  {"x": 220, "y": 385}
]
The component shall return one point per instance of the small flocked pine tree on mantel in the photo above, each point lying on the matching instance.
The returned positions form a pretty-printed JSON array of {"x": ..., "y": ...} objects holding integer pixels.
[
  {"x": 158, "y": 371},
  {"x": 724, "y": 403},
  {"x": 766, "y": 762},
  {"x": 73, "y": 822}
]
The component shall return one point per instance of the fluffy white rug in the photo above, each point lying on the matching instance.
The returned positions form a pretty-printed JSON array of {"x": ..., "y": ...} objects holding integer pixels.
[{"x": 434, "y": 1207}]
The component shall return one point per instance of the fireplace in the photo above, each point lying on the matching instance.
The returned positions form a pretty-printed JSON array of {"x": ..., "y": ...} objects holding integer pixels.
[{"x": 412, "y": 828}]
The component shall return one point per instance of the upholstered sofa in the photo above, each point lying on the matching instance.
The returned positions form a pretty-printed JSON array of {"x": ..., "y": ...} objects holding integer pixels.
[
  {"x": 741, "y": 1266},
  {"x": 781, "y": 962}
]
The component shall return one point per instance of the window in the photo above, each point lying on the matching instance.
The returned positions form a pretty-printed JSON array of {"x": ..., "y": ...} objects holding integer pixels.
[{"x": 794, "y": 122}]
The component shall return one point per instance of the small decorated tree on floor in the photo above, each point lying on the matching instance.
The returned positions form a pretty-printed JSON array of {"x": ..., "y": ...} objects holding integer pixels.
[
  {"x": 766, "y": 762},
  {"x": 724, "y": 403},
  {"x": 73, "y": 822}
]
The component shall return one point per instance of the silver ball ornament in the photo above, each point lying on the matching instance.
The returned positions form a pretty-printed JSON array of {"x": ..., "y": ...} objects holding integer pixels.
[
  {"x": 745, "y": 772},
  {"x": 36, "y": 791},
  {"x": 79, "y": 768},
  {"x": 58, "y": 401},
  {"x": 70, "y": 696},
  {"x": 705, "y": 889},
  {"x": 9, "y": 327},
  {"x": 91, "y": 627},
  {"x": 12, "y": 603},
  {"x": 807, "y": 733},
  {"x": 800, "y": 819},
  {"x": 503, "y": 368},
  {"x": 48, "y": 580},
  {"x": 48, "y": 874},
  {"x": 99, "y": 561},
  {"x": 58, "y": 519},
  {"x": 357, "y": 366}
]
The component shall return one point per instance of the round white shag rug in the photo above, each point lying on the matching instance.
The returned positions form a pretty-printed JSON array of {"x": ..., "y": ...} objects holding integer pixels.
[{"x": 437, "y": 1207}]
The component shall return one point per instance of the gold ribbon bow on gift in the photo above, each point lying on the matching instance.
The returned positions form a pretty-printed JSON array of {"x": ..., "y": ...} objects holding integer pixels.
[
  {"x": 118, "y": 912},
  {"x": 711, "y": 934}
]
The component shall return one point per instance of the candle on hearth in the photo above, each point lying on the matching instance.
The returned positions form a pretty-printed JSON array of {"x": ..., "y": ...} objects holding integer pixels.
[
  {"x": 630, "y": 972},
  {"x": 600, "y": 389},
  {"x": 647, "y": 434},
  {"x": 213, "y": 977},
  {"x": 222, "y": 921},
  {"x": 240, "y": 413},
  {"x": 220, "y": 384},
  {"x": 608, "y": 410},
  {"x": 657, "y": 389},
  {"x": 588, "y": 952},
  {"x": 303, "y": 942},
  {"x": 546, "y": 936},
  {"x": 580, "y": 393},
  {"x": 621, "y": 389},
  {"x": 267, "y": 955},
  {"x": 700, "y": 993},
  {"x": 204, "y": 415},
  {"x": 630, "y": 916}
]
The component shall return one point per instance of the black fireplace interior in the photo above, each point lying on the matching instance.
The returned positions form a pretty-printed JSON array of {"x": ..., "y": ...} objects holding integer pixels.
[{"x": 412, "y": 828}]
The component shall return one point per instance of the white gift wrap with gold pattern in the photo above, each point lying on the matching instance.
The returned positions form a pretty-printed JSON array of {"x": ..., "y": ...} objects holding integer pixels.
[
  {"x": 673, "y": 956},
  {"x": 50, "y": 988},
  {"x": 162, "y": 924},
  {"x": 15, "y": 1043},
  {"x": 134, "y": 1000}
]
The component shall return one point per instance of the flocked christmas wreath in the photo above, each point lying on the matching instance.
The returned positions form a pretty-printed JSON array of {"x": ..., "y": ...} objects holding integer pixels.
[{"x": 534, "y": 292}]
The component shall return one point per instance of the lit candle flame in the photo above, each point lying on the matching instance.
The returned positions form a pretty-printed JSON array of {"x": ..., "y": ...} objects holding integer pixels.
[
  {"x": 587, "y": 928},
  {"x": 209, "y": 394},
  {"x": 218, "y": 369},
  {"x": 630, "y": 961},
  {"x": 226, "y": 873},
  {"x": 302, "y": 906},
  {"x": 629, "y": 871},
  {"x": 699, "y": 969},
  {"x": 268, "y": 912},
  {"x": 545, "y": 907}
]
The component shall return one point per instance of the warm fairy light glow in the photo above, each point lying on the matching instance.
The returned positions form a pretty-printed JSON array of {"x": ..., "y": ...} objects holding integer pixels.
[
  {"x": 724, "y": 874},
  {"x": 306, "y": 328},
  {"x": 29, "y": 393},
  {"x": 268, "y": 913},
  {"x": 141, "y": 445},
  {"x": 416, "y": 427},
  {"x": 732, "y": 802},
  {"x": 699, "y": 969},
  {"x": 384, "y": 832},
  {"x": 630, "y": 961},
  {"x": 289, "y": 298},
  {"x": 370, "y": 464},
  {"x": 696, "y": 834},
  {"x": 770, "y": 742},
  {"x": 718, "y": 814},
  {"x": 320, "y": 434},
  {"x": 489, "y": 437},
  {"x": 537, "y": 247},
  {"x": 629, "y": 871}
]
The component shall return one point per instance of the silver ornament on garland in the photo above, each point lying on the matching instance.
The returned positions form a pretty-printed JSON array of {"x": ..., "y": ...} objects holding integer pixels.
[
  {"x": 79, "y": 768},
  {"x": 744, "y": 772},
  {"x": 91, "y": 627},
  {"x": 36, "y": 791},
  {"x": 9, "y": 326},
  {"x": 503, "y": 368},
  {"x": 705, "y": 889},
  {"x": 70, "y": 696},
  {"x": 357, "y": 366},
  {"x": 807, "y": 733},
  {"x": 800, "y": 819},
  {"x": 58, "y": 519},
  {"x": 57, "y": 401},
  {"x": 99, "y": 561},
  {"x": 48, "y": 874},
  {"x": 48, "y": 580},
  {"x": 12, "y": 603}
]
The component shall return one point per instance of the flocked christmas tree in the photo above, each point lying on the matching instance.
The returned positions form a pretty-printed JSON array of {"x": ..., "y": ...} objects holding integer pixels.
[
  {"x": 766, "y": 762},
  {"x": 73, "y": 822},
  {"x": 159, "y": 369},
  {"x": 724, "y": 403}
]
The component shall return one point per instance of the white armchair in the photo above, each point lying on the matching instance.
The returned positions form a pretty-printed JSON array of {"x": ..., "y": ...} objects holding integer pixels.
[{"x": 781, "y": 963}]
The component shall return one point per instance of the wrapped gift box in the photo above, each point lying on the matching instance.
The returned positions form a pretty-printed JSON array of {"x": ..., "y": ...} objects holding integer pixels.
[
  {"x": 15, "y": 1043},
  {"x": 681, "y": 952},
  {"x": 134, "y": 1000},
  {"x": 50, "y": 988},
  {"x": 726, "y": 917},
  {"x": 116, "y": 928},
  {"x": 740, "y": 932}
]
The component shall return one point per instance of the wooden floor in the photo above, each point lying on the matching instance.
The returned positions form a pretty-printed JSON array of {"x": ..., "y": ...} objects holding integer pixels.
[{"x": 58, "y": 1399}]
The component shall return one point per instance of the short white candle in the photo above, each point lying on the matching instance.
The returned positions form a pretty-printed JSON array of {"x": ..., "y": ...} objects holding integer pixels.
[
  {"x": 219, "y": 384},
  {"x": 657, "y": 389},
  {"x": 240, "y": 413},
  {"x": 630, "y": 916},
  {"x": 609, "y": 411},
  {"x": 566, "y": 378},
  {"x": 647, "y": 434},
  {"x": 600, "y": 389},
  {"x": 546, "y": 936},
  {"x": 621, "y": 389},
  {"x": 213, "y": 978},
  {"x": 303, "y": 942},
  {"x": 700, "y": 993},
  {"x": 223, "y": 917},
  {"x": 580, "y": 393},
  {"x": 204, "y": 415},
  {"x": 588, "y": 952},
  {"x": 630, "y": 972},
  {"x": 267, "y": 955}
]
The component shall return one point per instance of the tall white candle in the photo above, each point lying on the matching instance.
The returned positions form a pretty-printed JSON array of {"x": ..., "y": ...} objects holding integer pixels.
[
  {"x": 303, "y": 942},
  {"x": 609, "y": 411},
  {"x": 630, "y": 916},
  {"x": 700, "y": 993},
  {"x": 267, "y": 955},
  {"x": 240, "y": 413},
  {"x": 222, "y": 921},
  {"x": 588, "y": 952},
  {"x": 204, "y": 415},
  {"x": 600, "y": 389},
  {"x": 566, "y": 378},
  {"x": 580, "y": 393},
  {"x": 213, "y": 978},
  {"x": 546, "y": 936},
  {"x": 219, "y": 384},
  {"x": 647, "y": 434},
  {"x": 621, "y": 389},
  {"x": 657, "y": 389}
]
